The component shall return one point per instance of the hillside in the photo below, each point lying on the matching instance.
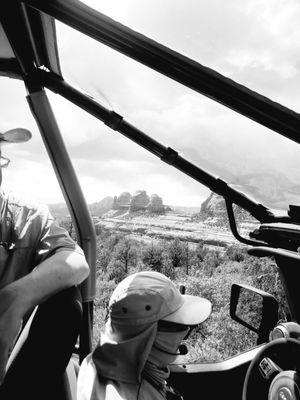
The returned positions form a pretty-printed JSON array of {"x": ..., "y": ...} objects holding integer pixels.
[
  {"x": 60, "y": 210},
  {"x": 138, "y": 201},
  {"x": 209, "y": 222},
  {"x": 169, "y": 226}
]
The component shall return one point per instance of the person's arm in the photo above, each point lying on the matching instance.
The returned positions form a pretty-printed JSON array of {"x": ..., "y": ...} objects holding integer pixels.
[{"x": 62, "y": 270}]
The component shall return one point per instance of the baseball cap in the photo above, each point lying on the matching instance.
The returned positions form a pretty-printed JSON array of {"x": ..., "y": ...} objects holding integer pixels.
[
  {"x": 148, "y": 296},
  {"x": 17, "y": 135}
]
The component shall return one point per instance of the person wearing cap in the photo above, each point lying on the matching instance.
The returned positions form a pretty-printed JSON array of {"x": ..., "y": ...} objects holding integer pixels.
[
  {"x": 39, "y": 265},
  {"x": 147, "y": 320}
]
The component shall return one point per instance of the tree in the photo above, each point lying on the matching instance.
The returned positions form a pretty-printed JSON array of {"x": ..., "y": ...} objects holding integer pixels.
[
  {"x": 236, "y": 253},
  {"x": 106, "y": 244},
  {"x": 112, "y": 241},
  {"x": 103, "y": 255},
  {"x": 125, "y": 252},
  {"x": 115, "y": 270},
  {"x": 187, "y": 257},
  {"x": 168, "y": 268},
  {"x": 211, "y": 261},
  {"x": 177, "y": 253},
  {"x": 153, "y": 257},
  {"x": 200, "y": 252}
]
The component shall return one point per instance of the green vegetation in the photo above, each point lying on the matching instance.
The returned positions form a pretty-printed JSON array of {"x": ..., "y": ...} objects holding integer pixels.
[
  {"x": 206, "y": 268},
  {"x": 203, "y": 272}
]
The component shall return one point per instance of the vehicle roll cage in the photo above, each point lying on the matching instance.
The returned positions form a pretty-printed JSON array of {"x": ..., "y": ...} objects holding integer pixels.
[
  {"x": 37, "y": 64},
  {"x": 174, "y": 65}
]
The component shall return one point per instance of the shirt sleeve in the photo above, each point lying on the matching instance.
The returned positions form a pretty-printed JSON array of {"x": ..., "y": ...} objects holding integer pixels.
[{"x": 54, "y": 239}]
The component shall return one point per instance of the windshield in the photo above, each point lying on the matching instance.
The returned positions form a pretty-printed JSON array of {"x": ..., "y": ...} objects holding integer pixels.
[
  {"x": 252, "y": 42},
  {"x": 252, "y": 158}
]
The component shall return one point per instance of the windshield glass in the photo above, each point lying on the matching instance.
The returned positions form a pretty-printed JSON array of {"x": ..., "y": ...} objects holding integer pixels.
[
  {"x": 253, "y": 42},
  {"x": 255, "y": 160}
]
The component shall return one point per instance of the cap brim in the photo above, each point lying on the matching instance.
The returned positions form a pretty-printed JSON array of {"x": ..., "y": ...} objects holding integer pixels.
[
  {"x": 193, "y": 311},
  {"x": 18, "y": 135}
]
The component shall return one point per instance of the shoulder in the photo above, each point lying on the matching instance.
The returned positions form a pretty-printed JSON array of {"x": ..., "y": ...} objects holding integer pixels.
[
  {"x": 92, "y": 387},
  {"x": 24, "y": 205},
  {"x": 87, "y": 380},
  {"x": 25, "y": 216},
  {"x": 89, "y": 386}
]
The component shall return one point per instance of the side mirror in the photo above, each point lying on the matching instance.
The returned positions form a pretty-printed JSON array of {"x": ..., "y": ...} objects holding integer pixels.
[{"x": 255, "y": 309}]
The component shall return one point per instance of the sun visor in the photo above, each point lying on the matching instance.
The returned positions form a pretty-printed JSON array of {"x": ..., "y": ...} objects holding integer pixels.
[
  {"x": 6, "y": 51},
  {"x": 43, "y": 43},
  {"x": 8, "y": 63},
  {"x": 44, "y": 37}
]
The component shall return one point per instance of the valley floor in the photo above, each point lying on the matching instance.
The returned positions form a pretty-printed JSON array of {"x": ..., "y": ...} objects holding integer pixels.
[{"x": 170, "y": 226}]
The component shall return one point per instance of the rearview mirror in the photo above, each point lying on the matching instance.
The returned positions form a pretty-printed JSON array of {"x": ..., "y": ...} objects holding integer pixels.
[{"x": 255, "y": 309}]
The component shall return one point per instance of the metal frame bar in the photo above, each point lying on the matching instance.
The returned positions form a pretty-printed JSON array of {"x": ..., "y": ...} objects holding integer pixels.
[
  {"x": 174, "y": 65},
  {"x": 10, "y": 68},
  {"x": 42, "y": 111},
  {"x": 11, "y": 14},
  {"x": 233, "y": 227},
  {"x": 52, "y": 138}
]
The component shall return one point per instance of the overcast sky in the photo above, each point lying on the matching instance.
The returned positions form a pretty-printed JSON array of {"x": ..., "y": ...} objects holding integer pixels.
[{"x": 254, "y": 42}]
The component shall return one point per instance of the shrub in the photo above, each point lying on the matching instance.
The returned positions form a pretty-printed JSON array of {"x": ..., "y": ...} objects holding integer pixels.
[
  {"x": 116, "y": 270},
  {"x": 200, "y": 252},
  {"x": 236, "y": 253},
  {"x": 125, "y": 252},
  {"x": 176, "y": 253},
  {"x": 210, "y": 275},
  {"x": 152, "y": 257},
  {"x": 211, "y": 261}
]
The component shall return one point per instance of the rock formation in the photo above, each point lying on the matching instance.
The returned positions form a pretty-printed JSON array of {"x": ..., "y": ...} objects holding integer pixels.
[
  {"x": 122, "y": 201},
  {"x": 102, "y": 206},
  {"x": 139, "y": 201},
  {"x": 214, "y": 208},
  {"x": 155, "y": 205}
]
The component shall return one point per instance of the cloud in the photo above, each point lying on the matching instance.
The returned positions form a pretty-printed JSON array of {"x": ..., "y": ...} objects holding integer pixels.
[{"x": 115, "y": 176}]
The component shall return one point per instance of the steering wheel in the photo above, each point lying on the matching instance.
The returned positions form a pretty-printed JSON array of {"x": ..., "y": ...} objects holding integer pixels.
[{"x": 274, "y": 373}]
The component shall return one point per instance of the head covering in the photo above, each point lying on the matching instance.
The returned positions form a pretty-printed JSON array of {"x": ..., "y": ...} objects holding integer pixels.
[
  {"x": 17, "y": 135},
  {"x": 163, "y": 352},
  {"x": 148, "y": 296},
  {"x": 135, "y": 307}
]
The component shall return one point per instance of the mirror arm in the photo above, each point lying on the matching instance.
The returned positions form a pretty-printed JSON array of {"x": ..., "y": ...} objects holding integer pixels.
[{"x": 233, "y": 226}]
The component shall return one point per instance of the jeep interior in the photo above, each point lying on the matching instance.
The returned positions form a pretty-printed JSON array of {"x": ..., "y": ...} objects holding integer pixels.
[{"x": 31, "y": 55}]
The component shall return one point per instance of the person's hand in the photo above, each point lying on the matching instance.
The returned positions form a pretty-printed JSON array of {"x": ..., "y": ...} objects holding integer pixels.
[{"x": 11, "y": 314}]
